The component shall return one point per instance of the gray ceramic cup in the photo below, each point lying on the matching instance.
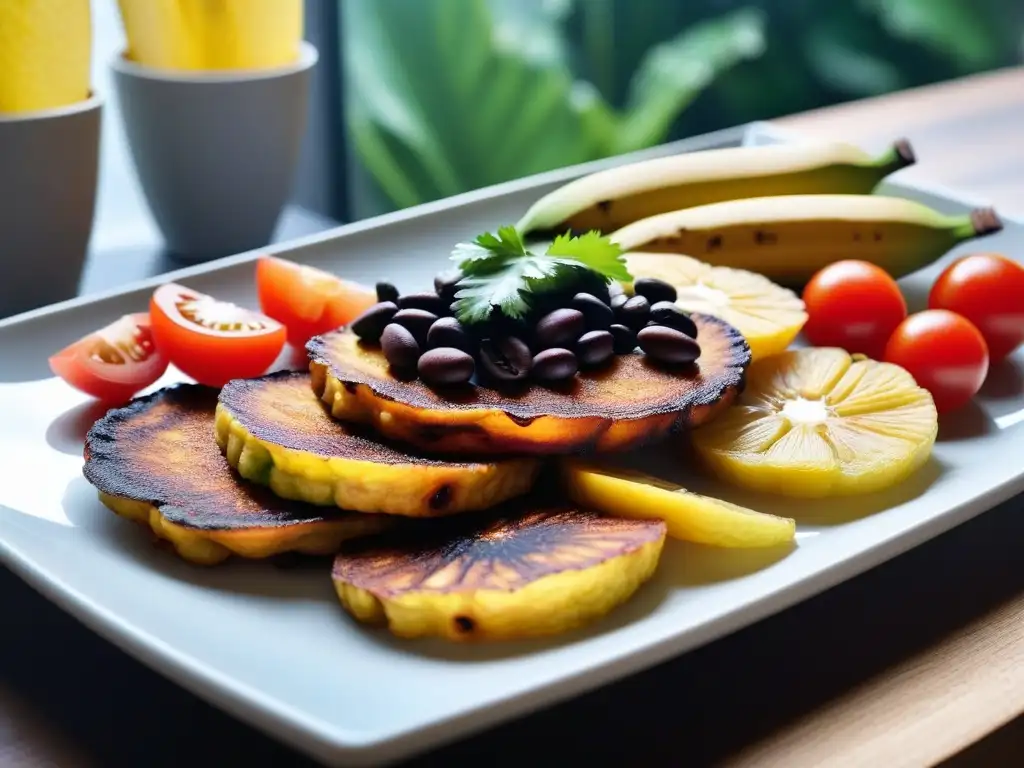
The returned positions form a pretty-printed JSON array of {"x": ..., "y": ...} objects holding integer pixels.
[
  {"x": 49, "y": 163},
  {"x": 215, "y": 152}
]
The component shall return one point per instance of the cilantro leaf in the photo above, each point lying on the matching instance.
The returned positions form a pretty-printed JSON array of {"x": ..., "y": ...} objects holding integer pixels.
[
  {"x": 595, "y": 251},
  {"x": 499, "y": 272}
]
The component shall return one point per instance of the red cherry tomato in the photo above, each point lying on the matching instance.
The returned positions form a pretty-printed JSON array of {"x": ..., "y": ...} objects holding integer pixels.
[
  {"x": 113, "y": 363},
  {"x": 210, "y": 340},
  {"x": 854, "y": 305},
  {"x": 306, "y": 300},
  {"x": 987, "y": 289},
  {"x": 944, "y": 353}
]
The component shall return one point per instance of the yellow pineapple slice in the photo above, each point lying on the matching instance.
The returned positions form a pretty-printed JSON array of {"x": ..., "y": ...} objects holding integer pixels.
[
  {"x": 687, "y": 515},
  {"x": 818, "y": 422},
  {"x": 768, "y": 315}
]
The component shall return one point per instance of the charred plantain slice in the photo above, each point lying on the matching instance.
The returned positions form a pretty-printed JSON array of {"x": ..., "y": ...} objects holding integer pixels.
[
  {"x": 513, "y": 574},
  {"x": 630, "y": 402},
  {"x": 155, "y": 461},
  {"x": 276, "y": 432}
]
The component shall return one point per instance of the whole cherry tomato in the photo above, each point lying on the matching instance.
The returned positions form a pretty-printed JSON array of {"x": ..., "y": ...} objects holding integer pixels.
[
  {"x": 944, "y": 352},
  {"x": 987, "y": 289},
  {"x": 854, "y": 305}
]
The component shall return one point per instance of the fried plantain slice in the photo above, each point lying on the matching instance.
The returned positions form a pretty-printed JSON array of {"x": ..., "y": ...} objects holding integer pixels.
[
  {"x": 520, "y": 572},
  {"x": 276, "y": 432},
  {"x": 630, "y": 402},
  {"x": 155, "y": 461}
]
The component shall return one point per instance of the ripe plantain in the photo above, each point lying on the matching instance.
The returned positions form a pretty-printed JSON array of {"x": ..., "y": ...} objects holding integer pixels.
[
  {"x": 613, "y": 198},
  {"x": 689, "y": 516},
  {"x": 154, "y": 461},
  {"x": 515, "y": 573},
  {"x": 276, "y": 432},
  {"x": 789, "y": 238},
  {"x": 627, "y": 403}
]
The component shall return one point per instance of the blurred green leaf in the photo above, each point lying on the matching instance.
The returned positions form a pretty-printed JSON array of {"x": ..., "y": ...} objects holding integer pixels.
[
  {"x": 957, "y": 28},
  {"x": 674, "y": 73}
]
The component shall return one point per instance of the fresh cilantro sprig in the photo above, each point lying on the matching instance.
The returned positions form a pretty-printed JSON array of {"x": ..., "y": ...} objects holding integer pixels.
[{"x": 499, "y": 271}]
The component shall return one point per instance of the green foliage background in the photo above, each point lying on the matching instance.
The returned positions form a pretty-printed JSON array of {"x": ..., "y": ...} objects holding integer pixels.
[{"x": 444, "y": 96}]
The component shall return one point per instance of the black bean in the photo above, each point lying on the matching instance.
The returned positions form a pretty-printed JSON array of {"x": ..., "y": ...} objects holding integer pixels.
[
  {"x": 430, "y": 302},
  {"x": 554, "y": 365},
  {"x": 445, "y": 285},
  {"x": 448, "y": 332},
  {"x": 400, "y": 347},
  {"x": 506, "y": 359},
  {"x": 371, "y": 323},
  {"x": 672, "y": 316},
  {"x": 595, "y": 347},
  {"x": 560, "y": 328},
  {"x": 668, "y": 345},
  {"x": 625, "y": 339},
  {"x": 417, "y": 322},
  {"x": 617, "y": 301},
  {"x": 387, "y": 292},
  {"x": 597, "y": 315},
  {"x": 446, "y": 365},
  {"x": 654, "y": 290},
  {"x": 634, "y": 313}
]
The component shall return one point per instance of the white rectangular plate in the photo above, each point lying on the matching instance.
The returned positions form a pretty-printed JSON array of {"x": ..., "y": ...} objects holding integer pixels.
[{"x": 274, "y": 648}]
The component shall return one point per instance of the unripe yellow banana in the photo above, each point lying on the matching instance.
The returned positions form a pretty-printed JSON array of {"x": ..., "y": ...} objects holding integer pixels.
[
  {"x": 790, "y": 237},
  {"x": 613, "y": 198}
]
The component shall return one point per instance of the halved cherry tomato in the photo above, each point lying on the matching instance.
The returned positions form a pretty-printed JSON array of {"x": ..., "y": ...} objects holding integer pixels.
[
  {"x": 210, "y": 340},
  {"x": 944, "y": 353},
  {"x": 307, "y": 300},
  {"x": 113, "y": 363},
  {"x": 854, "y": 305},
  {"x": 987, "y": 289}
]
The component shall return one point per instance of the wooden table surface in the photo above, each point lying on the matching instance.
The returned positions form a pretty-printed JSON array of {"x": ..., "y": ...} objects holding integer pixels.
[{"x": 913, "y": 663}]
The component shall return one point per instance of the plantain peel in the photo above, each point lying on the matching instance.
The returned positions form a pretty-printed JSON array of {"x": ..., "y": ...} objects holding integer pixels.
[
  {"x": 628, "y": 403},
  {"x": 276, "y": 432},
  {"x": 155, "y": 461},
  {"x": 522, "y": 572}
]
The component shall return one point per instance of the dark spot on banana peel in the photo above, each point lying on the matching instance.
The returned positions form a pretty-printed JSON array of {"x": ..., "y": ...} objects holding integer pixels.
[
  {"x": 765, "y": 238},
  {"x": 856, "y": 237},
  {"x": 464, "y": 625},
  {"x": 604, "y": 205},
  {"x": 878, "y": 237},
  {"x": 441, "y": 497},
  {"x": 714, "y": 243}
]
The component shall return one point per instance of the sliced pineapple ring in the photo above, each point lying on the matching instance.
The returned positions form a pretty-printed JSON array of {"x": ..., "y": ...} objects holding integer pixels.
[
  {"x": 768, "y": 315},
  {"x": 818, "y": 422},
  {"x": 688, "y": 516}
]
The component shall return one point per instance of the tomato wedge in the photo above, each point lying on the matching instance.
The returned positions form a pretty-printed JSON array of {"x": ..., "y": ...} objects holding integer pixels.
[
  {"x": 210, "y": 340},
  {"x": 308, "y": 301},
  {"x": 113, "y": 363}
]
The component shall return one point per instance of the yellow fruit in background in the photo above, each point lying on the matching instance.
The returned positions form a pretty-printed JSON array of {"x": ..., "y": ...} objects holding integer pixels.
[
  {"x": 816, "y": 422},
  {"x": 688, "y": 516},
  {"x": 45, "y": 54},
  {"x": 212, "y": 34},
  {"x": 769, "y": 316}
]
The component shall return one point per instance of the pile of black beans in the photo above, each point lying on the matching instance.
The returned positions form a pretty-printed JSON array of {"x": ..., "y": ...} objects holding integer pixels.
[{"x": 567, "y": 332}]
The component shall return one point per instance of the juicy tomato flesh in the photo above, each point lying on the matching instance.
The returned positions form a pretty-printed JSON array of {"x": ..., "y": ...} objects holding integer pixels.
[
  {"x": 306, "y": 300},
  {"x": 987, "y": 289},
  {"x": 944, "y": 352},
  {"x": 853, "y": 305},
  {"x": 210, "y": 340},
  {"x": 113, "y": 363}
]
